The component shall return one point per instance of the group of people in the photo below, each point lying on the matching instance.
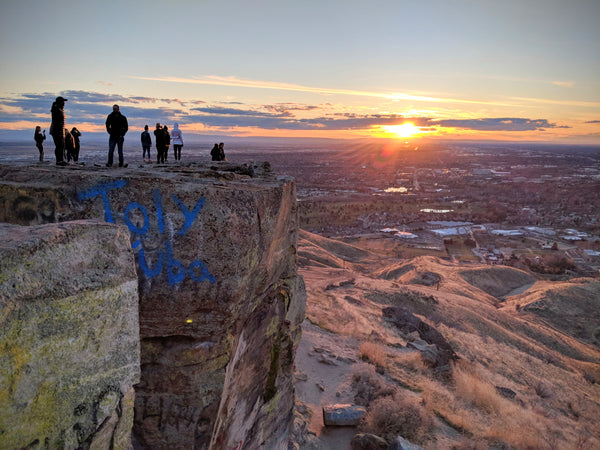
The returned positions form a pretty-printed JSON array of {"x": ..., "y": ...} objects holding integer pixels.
[
  {"x": 218, "y": 152},
  {"x": 67, "y": 143}
]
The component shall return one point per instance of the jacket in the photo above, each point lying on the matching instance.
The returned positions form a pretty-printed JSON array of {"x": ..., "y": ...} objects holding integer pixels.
[
  {"x": 58, "y": 120},
  {"x": 146, "y": 139},
  {"x": 116, "y": 124},
  {"x": 176, "y": 135}
]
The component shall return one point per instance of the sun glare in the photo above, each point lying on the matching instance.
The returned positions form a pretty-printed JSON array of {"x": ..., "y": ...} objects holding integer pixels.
[{"x": 406, "y": 130}]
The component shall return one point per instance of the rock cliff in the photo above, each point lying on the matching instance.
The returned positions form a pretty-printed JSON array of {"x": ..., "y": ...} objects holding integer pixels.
[{"x": 220, "y": 302}]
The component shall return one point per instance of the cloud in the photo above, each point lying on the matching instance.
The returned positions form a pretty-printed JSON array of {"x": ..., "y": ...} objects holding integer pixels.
[
  {"x": 592, "y": 121},
  {"x": 498, "y": 124},
  {"x": 93, "y": 107},
  {"x": 231, "y": 81},
  {"x": 566, "y": 84},
  {"x": 547, "y": 101}
]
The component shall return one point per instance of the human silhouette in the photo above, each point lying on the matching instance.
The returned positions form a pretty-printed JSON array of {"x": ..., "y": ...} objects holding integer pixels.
[
  {"x": 166, "y": 142},
  {"x": 57, "y": 129},
  {"x": 76, "y": 134},
  {"x": 146, "y": 144},
  {"x": 214, "y": 153},
  {"x": 116, "y": 126},
  {"x": 159, "y": 137},
  {"x": 39, "y": 138},
  {"x": 222, "y": 152}
]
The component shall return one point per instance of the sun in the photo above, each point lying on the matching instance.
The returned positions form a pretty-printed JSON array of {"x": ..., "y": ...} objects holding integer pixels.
[{"x": 406, "y": 130}]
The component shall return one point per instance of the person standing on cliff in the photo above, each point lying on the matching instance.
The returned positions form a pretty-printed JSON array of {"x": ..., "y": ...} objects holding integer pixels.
[
  {"x": 222, "y": 152},
  {"x": 76, "y": 134},
  {"x": 146, "y": 144},
  {"x": 57, "y": 129},
  {"x": 39, "y": 140},
  {"x": 116, "y": 126},
  {"x": 166, "y": 143},
  {"x": 159, "y": 137},
  {"x": 177, "y": 141},
  {"x": 214, "y": 153}
]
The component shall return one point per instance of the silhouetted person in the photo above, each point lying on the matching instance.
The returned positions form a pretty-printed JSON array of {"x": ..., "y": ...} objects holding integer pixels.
[
  {"x": 222, "y": 152},
  {"x": 57, "y": 129},
  {"x": 166, "y": 143},
  {"x": 76, "y": 134},
  {"x": 214, "y": 153},
  {"x": 69, "y": 146},
  {"x": 160, "y": 137},
  {"x": 177, "y": 141},
  {"x": 146, "y": 144},
  {"x": 116, "y": 126},
  {"x": 40, "y": 137}
]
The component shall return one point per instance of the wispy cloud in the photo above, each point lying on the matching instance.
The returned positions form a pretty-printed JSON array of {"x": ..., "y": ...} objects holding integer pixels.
[
  {"x": 257, "y": 84},
  {"x": 565, "y": 84},
  {"x": 548, "y": 101}
]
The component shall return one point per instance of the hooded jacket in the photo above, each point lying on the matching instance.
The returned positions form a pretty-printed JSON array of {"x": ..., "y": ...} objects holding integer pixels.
[{"x": 176, "y": 137}]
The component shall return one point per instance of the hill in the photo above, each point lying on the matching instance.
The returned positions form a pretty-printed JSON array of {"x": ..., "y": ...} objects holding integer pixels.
[{"x": 523, "y": 369}]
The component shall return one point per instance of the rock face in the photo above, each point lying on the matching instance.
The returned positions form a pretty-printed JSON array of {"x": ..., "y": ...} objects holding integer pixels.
[
  {"x": 69, "y": 336},
  {"x": 220, "y": 300}
]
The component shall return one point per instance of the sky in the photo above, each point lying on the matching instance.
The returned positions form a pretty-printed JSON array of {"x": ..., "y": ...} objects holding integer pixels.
[{"x": 523, "y": 70}]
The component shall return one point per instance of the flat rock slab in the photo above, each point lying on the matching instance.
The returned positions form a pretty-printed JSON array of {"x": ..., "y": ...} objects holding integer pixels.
[{"x": 343, "y": 415}]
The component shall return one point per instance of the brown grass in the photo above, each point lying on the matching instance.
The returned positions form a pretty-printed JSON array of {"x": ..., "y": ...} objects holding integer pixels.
[{"x": 373, "y": 352}]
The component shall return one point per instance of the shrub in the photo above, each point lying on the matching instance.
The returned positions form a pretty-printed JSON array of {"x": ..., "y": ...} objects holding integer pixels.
[
  {"x": 397, "y": 415},
  {"x": 369, "y": 385}
]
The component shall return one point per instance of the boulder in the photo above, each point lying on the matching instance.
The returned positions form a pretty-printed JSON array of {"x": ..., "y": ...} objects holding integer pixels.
[
  {"x": 343, "y": 415},
  {"x": 408, "y": 323},
  {"x": 366, "y": 441},
  {"x": 69, "y": 335},
  {"x": 402, "y": 444}
]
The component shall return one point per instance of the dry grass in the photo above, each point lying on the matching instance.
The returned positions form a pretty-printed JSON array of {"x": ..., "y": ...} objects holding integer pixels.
[
  {"x": 472, "y": 388},
  {"x": 373, "y": 352}
]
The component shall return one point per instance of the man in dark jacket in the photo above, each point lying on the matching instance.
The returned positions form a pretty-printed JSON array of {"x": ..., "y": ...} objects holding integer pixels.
[
  {"x": 57, "y": 129},
  {"x": 159, "y": 135},
  {"x": 116, "y": 125}
]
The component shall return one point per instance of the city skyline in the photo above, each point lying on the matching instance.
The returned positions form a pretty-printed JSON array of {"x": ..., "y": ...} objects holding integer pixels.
[{"x": 439, "y": 69}]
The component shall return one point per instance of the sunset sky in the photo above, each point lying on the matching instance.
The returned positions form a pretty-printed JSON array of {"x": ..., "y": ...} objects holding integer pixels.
[{"x": 460, "y": 69}]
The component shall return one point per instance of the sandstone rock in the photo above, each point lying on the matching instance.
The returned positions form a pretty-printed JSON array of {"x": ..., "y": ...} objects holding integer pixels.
[
  {"x": 402, "y": 444},
  {"x": 365, "y": 441},
  {"x": 343, "y": 415},
  {"x": 219, "y": 297},
  {"x": 69, "y": 335},
  {"x": 409, "y": 324},
  {"x": 506, "y": 392}
]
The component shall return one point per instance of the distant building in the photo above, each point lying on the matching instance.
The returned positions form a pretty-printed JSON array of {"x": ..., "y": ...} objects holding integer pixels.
[{"x": 507, "y": 232}]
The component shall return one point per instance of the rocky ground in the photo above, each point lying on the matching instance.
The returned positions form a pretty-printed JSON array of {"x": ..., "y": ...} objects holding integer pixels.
[{"x": 445, "y": 355}]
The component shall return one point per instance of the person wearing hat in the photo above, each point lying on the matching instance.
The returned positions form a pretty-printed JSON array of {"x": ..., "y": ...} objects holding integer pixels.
[
  {"x": 57, "y": 129},
  {"x": 116, "y": 125}
]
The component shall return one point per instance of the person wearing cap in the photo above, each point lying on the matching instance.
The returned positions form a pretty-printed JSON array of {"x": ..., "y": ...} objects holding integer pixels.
[
  {"x": 116, "y": 126},
  {"x": 57, "y": 129}
]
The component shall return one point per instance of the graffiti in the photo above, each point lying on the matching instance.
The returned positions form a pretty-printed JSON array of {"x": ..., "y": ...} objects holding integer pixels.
[{"x": 176, "y": 270}]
